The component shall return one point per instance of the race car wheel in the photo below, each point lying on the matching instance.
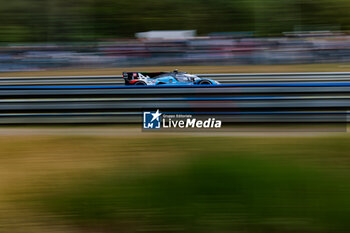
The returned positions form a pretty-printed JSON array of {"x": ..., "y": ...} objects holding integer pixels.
[
  {"x": 204, "y": 82},
  {"x": 140, "y": 83}
]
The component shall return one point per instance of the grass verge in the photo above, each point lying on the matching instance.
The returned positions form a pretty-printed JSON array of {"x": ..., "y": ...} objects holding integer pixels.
[{"x": 208, "y": 184}]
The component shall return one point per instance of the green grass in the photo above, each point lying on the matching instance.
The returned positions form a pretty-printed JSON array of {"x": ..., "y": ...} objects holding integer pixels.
[{"x": 219, "y": 185}]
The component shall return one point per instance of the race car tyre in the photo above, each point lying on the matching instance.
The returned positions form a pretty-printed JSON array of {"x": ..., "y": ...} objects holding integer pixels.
[
  {"x": 204, "y": 82},
  {"x": 140, "y": 83}
]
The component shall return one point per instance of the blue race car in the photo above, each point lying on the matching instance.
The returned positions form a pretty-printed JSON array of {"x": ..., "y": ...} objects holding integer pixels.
[{"x": 159, "y": 78}]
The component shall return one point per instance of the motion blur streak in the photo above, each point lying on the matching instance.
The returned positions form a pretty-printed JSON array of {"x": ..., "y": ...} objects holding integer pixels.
[{"x": 152, "y": 183}]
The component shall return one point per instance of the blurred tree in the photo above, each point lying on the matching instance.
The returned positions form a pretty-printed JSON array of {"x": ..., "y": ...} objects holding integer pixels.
[{"x": 86, "y": 20}]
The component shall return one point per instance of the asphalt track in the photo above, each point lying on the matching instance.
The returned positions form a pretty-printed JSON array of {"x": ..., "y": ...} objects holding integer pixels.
[{"x": 223, "y": 78}]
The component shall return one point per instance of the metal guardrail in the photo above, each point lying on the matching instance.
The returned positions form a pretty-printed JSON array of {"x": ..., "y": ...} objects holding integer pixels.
[{"x": 248, "y": 102}]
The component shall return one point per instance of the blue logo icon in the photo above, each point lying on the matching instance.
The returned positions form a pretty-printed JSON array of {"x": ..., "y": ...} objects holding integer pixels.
[{"x": 151, "y": 120}]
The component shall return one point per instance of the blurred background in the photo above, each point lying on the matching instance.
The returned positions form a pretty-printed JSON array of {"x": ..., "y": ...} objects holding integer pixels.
[
  {"x": 41, "y": 34},
  {"x": 115, "y": 178}
]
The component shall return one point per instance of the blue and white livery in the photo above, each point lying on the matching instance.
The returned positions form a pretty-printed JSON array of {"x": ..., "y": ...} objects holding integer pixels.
[{"x": 169, "y": 78}]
